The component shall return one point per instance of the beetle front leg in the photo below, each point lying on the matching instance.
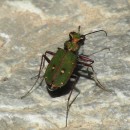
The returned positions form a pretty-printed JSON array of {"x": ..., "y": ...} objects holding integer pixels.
[
  {"x": 43, "y": 59},
  {"x": 68, "y": 102}
]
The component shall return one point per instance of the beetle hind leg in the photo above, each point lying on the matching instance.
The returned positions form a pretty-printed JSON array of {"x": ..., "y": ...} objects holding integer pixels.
[{"x": 68, "y": 101}]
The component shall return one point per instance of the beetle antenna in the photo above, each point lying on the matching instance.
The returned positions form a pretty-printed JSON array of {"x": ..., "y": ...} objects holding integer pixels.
[
  {"x": 79, "y": 29},
  {"x": 105, "y": 48},
  {"x": 96, "y": 32}
]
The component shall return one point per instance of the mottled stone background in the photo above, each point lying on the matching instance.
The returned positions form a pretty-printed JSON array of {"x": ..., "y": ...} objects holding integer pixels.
[{"x": 28, "y": 28}]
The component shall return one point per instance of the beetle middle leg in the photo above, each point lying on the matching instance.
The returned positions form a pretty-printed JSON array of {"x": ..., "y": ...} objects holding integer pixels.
[
  {"x": 42, "y": 64},
  {"x": 68, "y": 102},
  {"x": 84, "y": 60}
]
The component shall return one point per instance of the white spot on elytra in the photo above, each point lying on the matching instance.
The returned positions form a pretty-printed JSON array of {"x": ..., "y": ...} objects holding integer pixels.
[
  {"x": 62, "y": 71},
  {"x": 62, "y": 83}
]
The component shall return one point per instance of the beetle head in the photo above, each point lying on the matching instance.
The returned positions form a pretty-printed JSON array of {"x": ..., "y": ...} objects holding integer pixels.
[
  {"x": 76, "y": 40},
  {"x": 76, "y": 37}
]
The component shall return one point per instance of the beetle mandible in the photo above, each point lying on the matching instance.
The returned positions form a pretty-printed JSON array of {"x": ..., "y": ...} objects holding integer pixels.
[{"x": 61, "y": 67}]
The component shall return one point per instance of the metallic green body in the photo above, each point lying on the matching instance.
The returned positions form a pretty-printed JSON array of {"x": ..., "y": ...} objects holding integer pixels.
[{"x": 60, "y": 68}]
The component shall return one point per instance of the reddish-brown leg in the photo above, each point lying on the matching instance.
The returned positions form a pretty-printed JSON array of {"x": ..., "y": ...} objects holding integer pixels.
[
  {"x": 83, "y": 61},
  {"x": 44, "y": 57}
]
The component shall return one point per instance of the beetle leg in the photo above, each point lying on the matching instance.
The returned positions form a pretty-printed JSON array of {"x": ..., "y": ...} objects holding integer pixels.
[
  {"x": 86, "y": 59},
  {"x": 96, "y": 80},
  {"x": 94, "y": 76},
  {"x": 44, "y": 57},
  {"x": 68, "y": 102}
]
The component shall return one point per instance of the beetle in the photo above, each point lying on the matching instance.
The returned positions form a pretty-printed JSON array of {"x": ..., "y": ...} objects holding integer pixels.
[{"x": 61, "y": 67}]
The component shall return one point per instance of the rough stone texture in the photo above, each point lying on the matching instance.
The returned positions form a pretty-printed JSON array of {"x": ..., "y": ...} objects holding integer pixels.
[{"x": 28, "y": 28}]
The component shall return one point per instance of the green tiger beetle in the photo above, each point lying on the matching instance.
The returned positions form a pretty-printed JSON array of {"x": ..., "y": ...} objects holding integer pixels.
[{"x": 61, "y": 67}]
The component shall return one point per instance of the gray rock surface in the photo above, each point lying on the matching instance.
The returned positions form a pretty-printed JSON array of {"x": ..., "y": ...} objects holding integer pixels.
[{"x": 28, "y": 28}]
